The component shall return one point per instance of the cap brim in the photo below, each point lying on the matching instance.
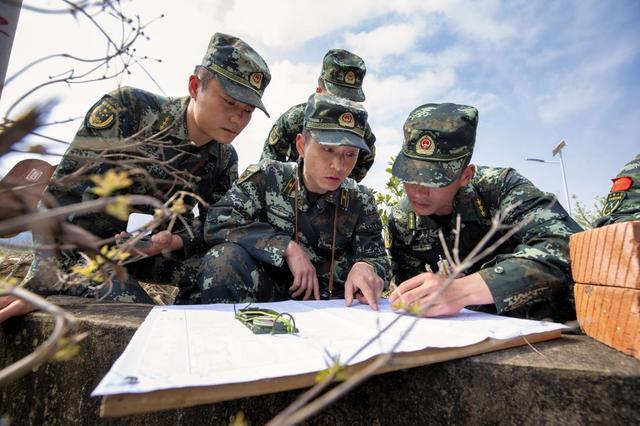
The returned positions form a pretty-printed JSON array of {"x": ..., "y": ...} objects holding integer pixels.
[
  {"x": 241, "y": 93},
  {"x": 355, "y": 94},
  {"x": 435, "y": 174},
  {"x": 339, "y": 138}
]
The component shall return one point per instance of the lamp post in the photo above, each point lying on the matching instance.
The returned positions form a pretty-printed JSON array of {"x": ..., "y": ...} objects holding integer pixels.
[{"x": 558, "y": 151}]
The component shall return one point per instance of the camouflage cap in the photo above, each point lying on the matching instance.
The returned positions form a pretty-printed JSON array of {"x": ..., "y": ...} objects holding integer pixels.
[
  {"x": 438, "y": 143},
  {"x": 241, "y": 71},
  {"x": 336, "y": 121},
  {"x": 343, "y": 72}
]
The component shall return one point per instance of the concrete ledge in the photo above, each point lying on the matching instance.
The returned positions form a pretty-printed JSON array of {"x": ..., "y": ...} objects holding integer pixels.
[{"x": 574, "y": 380}]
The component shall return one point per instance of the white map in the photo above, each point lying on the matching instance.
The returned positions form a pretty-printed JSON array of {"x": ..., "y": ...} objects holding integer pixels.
[{"x": 204, "y": 345}]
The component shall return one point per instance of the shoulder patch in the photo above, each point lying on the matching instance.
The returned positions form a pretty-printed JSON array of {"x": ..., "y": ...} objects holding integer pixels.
[
  {"x": 250, "y": 171},
  {"x": 614, "y": 199},
  {"x": 274, "y": 136},
  {"x": 103, "y": 115}
]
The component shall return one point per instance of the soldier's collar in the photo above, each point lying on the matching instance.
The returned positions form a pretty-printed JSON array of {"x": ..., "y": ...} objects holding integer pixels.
[
  {"x": 470, "y": 205},
  {"x": 339, "y": 197}
]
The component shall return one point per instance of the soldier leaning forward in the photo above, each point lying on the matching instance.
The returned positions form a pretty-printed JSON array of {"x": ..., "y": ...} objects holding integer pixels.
[
  {"x": 528, "y": 275},
  {"x": 342, "y": 75},
  {"x": 166, "y": 145},
  {"x": 623, "y": 201},
  {"x": 280, "y": 230}
]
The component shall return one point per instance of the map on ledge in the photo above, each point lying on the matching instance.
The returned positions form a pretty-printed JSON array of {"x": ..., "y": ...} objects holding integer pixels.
[{"x": 204, "y": 345}]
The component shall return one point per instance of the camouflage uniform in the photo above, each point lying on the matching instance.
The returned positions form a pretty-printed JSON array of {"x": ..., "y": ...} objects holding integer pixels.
[
  {"x": 623, "y": 201},
  {"x": 252, "y": 225},
  {"x": 110, "y": 136},
  {"x": 342, "y": 74},
  {"x": 529, "y": 274}
]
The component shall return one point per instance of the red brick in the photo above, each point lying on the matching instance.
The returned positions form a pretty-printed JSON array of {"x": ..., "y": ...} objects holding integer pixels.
[
  {"x": 610, "y": 315},
  {"x": 607, "y": 256}
]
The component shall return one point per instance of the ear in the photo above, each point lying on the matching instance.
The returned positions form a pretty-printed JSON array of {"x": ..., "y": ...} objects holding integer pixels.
[
  {"x": 194, "y": 85},
  {"x": 300, "y": 144},
  {"x": 467, "y": 174}
]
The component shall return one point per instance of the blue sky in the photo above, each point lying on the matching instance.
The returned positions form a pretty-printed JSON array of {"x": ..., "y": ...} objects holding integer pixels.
[{"x": 538, "y": 71}]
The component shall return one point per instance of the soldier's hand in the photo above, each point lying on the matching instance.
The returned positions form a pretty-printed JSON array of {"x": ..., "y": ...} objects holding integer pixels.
[
  {"x": 162, "y": 241},
  {"x": 364, "y": 283},
  {"x": 11, "y": 306},
  {"x": 425, "y": 292},
  {"x": 305, "y": 279}
]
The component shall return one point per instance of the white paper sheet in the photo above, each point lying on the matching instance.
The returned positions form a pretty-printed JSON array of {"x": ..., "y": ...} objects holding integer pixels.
[{"x": 204, "y": 345}]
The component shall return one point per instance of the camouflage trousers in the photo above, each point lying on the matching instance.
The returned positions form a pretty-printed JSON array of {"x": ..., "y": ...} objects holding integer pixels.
[
  {"x": 50, "y": 275},
  {"x": 229, "y": 274}
]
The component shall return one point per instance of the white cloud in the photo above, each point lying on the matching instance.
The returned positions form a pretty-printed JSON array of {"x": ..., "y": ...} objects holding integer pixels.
[
  {"x": 391, "y": 98},
  {"x": 287, "y": 24},
  {"x": 393, "y": 39},
  {"x": 453, "y": 57}
]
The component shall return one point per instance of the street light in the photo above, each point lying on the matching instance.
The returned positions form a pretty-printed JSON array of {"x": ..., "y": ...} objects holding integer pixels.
[{"x": 558, "y": 151}]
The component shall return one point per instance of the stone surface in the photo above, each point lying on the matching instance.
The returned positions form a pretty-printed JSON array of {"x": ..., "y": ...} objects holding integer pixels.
[
  {"x": 607, "y": 256},
  {"x": 573, "y": 380}
]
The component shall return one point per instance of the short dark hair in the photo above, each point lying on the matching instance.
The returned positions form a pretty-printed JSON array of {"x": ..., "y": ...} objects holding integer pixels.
[{"x": 205, "y": 75}]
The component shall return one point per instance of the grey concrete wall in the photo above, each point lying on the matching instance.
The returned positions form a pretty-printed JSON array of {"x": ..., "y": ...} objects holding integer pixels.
[{"x": 575, "y": 380}]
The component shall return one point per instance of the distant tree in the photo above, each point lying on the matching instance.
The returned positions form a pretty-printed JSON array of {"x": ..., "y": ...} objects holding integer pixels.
[{"x": 586, "y": 216}]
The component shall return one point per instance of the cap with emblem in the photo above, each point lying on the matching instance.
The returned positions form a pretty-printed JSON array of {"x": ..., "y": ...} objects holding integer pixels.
[
  {"x": 336, "y": 121},
  {"x": 438, "y": 143},
  {"x": 241, "y": 71},
  {"x": 343, "y": 72}
]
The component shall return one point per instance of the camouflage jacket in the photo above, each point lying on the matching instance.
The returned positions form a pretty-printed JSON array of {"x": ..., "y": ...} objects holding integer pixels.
[
  {"x": 623, "y": 201},
  {"x": 281, "y": 143},
  {"x": 524, "y": 271},
  {"x": 125, "y": 129},
  {"x": 258, "y": 213}
]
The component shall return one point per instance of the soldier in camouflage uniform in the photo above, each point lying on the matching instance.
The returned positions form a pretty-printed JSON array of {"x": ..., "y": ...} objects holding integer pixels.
[
  {"x": 527, "y": 276},
  {"x": 281, "y": 227},
  {"x": 188, "y": 140},
  {"x": 623, "y": 201},
  {"x": 342, "y": 74}
]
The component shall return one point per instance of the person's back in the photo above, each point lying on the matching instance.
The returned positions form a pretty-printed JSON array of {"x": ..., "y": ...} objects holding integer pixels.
[{"x": 623, "y": 201}]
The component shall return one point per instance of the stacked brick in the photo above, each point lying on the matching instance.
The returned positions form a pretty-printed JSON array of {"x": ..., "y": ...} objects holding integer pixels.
[{"x": 605, "y": 264}]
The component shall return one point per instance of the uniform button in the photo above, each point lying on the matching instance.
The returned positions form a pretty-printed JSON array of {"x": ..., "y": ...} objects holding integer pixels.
[{"x": 498, "y": 269}]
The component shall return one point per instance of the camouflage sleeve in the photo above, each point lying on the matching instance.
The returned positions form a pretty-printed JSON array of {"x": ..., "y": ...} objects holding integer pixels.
[
  {"x": 404, "y": 263},
  {"x": 226, "y": 174},
  {"x": 365, "y": 161},
  {"x": 103, "y": 128},
  {"x": 280, "y": 143},
  {"x": 239, "y": 218},
  {"x": 368, "y": 244},
  {"x": 539, "y": 264}
]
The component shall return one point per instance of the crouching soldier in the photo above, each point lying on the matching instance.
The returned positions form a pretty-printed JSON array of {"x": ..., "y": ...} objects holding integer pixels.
[
  {"x": 302, "y": 231},
  {"x": 527, "y": 276}
]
